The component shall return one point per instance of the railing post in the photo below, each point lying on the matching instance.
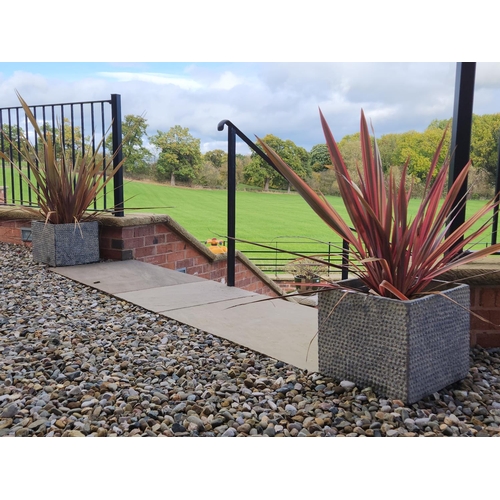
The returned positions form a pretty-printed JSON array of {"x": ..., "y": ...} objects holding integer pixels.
[
  {"x": 329, "y": 256},
  {"x": 232, "y": 131},
  {"x": 276, "y": 259},
  {"x": 231, "y": 204},
  {"x": 345, "y": 259},
  {"x": 116, "y": 114},
  {"x": 461, "y": 135},
  {"x": 494, "y": 224}
]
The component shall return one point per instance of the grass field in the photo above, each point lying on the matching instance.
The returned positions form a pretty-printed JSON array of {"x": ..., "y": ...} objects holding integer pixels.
[
  {"x": 260, "y": 217},
  {"x": 275, "y": 218}
]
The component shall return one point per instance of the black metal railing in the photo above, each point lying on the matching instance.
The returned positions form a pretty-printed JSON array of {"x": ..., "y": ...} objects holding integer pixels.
[
  {"x": 461, "y": 144},
  {"x": 82, "y": 125},
  {"x": 280, "y": 256},
  {"x": 461, "y": 139},
  {"x": 232, "y": 132}
]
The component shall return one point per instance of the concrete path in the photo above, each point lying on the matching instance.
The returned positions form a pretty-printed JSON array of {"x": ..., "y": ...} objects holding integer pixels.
[{"x": 278, "y": 328}]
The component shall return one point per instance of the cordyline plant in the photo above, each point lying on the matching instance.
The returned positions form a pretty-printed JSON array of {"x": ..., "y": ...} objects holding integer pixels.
[
  {"x": 391, "y": 254},
  {"x": 65, "y": 190}
]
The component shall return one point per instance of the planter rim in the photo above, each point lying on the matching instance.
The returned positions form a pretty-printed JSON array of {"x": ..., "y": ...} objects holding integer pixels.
[
  {"x": 359, "y": 287},
  {"x": 76, "y": 223}
]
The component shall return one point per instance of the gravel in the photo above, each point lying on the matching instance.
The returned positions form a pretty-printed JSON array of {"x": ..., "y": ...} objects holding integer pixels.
[{"x": 77, "y": 362}]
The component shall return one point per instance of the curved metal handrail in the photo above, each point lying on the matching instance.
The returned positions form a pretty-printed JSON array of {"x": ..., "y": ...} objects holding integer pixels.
[
  {"x": 245, "y": 139},
  {"x": 232, "y": 132}
]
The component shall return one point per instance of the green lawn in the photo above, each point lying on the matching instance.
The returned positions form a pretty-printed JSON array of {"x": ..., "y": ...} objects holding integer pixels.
[
  {"x": 259, "y": 216},
  {"x": 270, "y": 217}
]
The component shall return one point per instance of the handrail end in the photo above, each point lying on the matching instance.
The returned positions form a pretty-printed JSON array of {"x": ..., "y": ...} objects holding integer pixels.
[{"x": 220, "y": 127}]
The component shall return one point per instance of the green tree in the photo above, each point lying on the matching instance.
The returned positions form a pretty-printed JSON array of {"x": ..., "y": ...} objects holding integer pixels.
[
  {"x": 214, "y": 174},
  {"x": 350, "y": 148},
  {"x": 179, "y": 155},
  {"x": 439, "y": 124},
  {"x": 319, "y": 157},
  {"x": 12, "y": 133},
  {"x": 217, "y": 157},
  {"x": 259, "y": 173},
  {"x": 137, "y": 157},
  {"x": 72, "y": 137},
  {"x": 241, "y": 163},
  {"x": 389, "y": 147},
  {"x": 484, "y": 143},
  {"x": 419, "y": 148}
]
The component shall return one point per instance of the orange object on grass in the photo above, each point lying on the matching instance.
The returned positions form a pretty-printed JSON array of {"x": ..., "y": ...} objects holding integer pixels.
[{"x": 216, "y": 246}]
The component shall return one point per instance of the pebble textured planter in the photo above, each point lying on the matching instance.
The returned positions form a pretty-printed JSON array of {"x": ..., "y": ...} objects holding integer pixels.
[
  {"x": 401, "y": 349},
  {"x": 65, "y": 244}
]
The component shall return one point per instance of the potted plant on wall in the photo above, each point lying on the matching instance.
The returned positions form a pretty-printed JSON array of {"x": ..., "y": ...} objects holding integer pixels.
[
  {"x": 395, "y": 327},
  {"x": 65, "y": 188},
  {"x": 306, "y": 273}
]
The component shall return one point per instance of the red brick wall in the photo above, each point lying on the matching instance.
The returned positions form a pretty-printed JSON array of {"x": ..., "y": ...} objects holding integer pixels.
[
  {"x": 485, "y": 302},
  {"x": 159, "y": 245},
  {"x": 156, "y": 244},
  {"x": 10, "y": 231}
]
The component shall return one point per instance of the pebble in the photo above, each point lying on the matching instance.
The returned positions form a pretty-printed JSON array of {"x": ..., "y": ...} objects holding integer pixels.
[
  {"x": 75, "y": 362},
  {"x": 347, "y": 385},
  {"x": 10, "y": 411}
]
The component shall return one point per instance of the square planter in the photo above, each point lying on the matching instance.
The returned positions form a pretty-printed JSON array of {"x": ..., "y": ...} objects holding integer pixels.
[
  {"x": 401, "y": 349},
  {"x": 65, "y": 244}
]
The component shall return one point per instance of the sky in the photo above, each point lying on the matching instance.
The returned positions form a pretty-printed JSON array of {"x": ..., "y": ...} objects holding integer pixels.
[
  {"x": 266, "y": 67},
  {"x": 280, "y": 98}
]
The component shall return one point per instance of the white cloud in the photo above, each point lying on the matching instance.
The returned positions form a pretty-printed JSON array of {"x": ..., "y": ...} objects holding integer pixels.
[
  {"x": 277, "y": 98},
  {"x": 156, "y": 78},
  {"x": 241, "y": 147},
  {"x": 227, "y": 81},
  {"x": 487, "y": 75}
]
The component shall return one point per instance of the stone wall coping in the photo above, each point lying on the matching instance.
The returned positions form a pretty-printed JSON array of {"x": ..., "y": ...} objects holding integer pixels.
[
  {"x": 474, "y": 276},
  {"x": 15, "y": 213}
]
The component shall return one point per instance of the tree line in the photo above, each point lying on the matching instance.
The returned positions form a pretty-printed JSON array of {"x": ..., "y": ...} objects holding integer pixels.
[
  {"x": 179, "y": 159},
  {"x": 175, "y": 156}
]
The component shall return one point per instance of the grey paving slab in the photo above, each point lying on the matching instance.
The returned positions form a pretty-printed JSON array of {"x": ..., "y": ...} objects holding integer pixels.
[
  {"x": 125, "y": 276},
  {"x": 185, "y": 295}
]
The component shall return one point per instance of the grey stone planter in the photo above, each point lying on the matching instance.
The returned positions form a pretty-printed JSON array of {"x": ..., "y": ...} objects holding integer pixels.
[
  {"x": 401, "y": 349},
  {"x": 65, "y": 244},
  {"x": 306, "y": 288}
]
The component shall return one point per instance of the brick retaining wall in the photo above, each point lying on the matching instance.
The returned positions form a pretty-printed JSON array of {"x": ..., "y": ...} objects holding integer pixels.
[
  {"x": 10, "y": 231},
  {"x": 163, "y": 245},
  {"x": 158, "y": 240},
  {"x": 485, "y": 301}
]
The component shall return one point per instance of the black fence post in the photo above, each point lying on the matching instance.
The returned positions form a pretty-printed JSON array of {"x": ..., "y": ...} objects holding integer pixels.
[
  {"x": 116, "y": 114},
  {"x": 329, "y": 257},
  {"x": 231, "y": 205},
  {"x": 345, "y": 259},
  {"x": 461, "y": 135},
  {"x": 494, "y": 224}
]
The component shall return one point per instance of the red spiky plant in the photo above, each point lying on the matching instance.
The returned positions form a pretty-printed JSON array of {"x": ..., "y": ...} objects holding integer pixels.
[{"x": 393, "y": 255}]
